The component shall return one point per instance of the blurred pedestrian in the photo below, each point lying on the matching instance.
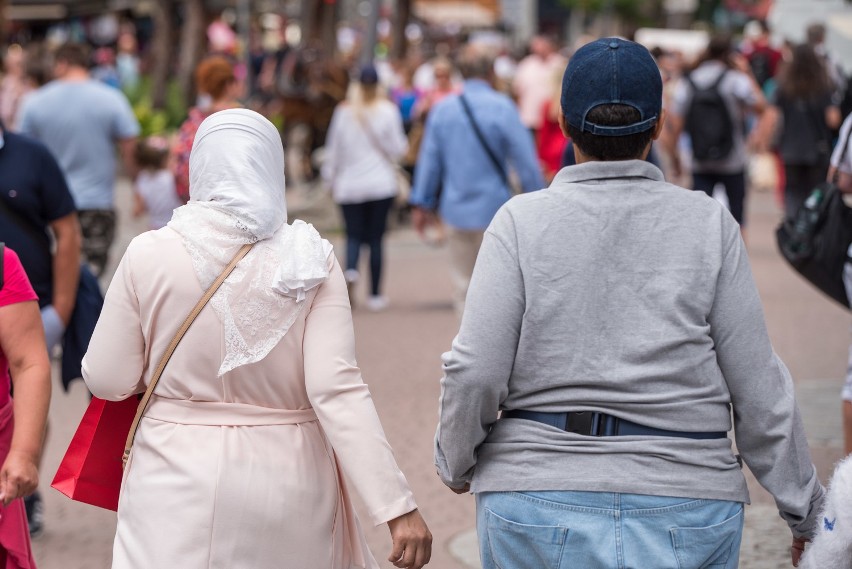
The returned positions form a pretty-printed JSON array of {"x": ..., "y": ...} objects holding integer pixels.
[
  {"x": 154, "y": 188},
  {"x": 81, "y": 121},
  {"x": 816, "y": 39},
  {"x": 612, "y": 326},
  {"x": 406, "y": 96},
  {"x": 551, "y": 142},
  {"x": 218, "y": 90},
  {"x": 364, "y": 145},
  {"x": 39, "y": 221},
  {"x": 533, "y": 79},
  {"x": 710, "y": 104},
  {"x": 841, "y": 164},
  {"x": 470, "y": 141},
  {"x": 763, "y": 57},
  {"x": 105, "y": 70},
  {"x": 443, "y": 87},
  {"x": 25, "y": 366},
  {"x": 127, "y": 61},
  {"x": 13, "y": 84},
  {"x": 238, "y": 461},
  {"x": 804, "y": 115}
]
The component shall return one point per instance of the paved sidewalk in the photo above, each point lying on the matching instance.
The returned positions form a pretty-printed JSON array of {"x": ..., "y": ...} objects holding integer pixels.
[{"x": 399, "y": 352}]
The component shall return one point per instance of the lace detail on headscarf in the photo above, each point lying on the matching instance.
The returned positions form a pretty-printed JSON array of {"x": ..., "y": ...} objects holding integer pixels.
[{"x": 267, "y": 291}]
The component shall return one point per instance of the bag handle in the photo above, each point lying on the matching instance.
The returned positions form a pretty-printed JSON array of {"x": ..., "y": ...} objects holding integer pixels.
[{"x": 146, "y": 398}]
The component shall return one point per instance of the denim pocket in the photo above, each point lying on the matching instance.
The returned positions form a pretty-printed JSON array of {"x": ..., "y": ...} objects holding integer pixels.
[
  {"x": 522, "y": 546},
  {"x": 708, "y": 547}
]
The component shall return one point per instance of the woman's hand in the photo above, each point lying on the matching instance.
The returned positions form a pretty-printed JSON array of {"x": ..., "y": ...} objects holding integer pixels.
[
  {"x": 412, "y": 541},
  {"x": 18, "y": 477},
  {"x": 797, "y": 549}
]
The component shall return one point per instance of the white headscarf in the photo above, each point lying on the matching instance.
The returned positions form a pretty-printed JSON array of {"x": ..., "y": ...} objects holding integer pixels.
[{"x": 236, "y": 188}]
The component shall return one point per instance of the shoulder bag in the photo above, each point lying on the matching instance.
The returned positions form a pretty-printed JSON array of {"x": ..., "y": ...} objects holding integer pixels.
[
  {"x": 491, "y": 155},
  {"x": 91, "y": 471},
  {"x": 815, "y": 241}
]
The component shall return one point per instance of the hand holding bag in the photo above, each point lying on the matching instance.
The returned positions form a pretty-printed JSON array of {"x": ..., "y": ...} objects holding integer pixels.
[{"x": 91, "y": 470}]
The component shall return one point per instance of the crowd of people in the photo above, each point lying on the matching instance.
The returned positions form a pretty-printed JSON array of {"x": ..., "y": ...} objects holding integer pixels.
[{"x": 611, "y": 310}]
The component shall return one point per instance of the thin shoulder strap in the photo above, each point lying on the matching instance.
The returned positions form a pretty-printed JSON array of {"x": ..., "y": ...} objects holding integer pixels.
[
  {"x": 143, "y": 403},
  {"x": 372, "y": 139},
  {"x": 481, "y": 137},
  {"x": 2, "y": 263}
]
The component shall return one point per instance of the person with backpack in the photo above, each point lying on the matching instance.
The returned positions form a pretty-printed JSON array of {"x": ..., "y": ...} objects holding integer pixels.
[{"x": 711, "y": 105}]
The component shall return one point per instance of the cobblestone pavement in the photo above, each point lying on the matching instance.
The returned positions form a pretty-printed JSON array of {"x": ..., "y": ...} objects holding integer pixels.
[{"x": 399, "y": 353}]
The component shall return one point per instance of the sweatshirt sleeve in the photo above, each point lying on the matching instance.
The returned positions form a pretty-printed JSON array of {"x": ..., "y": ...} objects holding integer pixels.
[
  {"x": 769, "y": 431},
  {"x": 344, "y": 406},
  {"x": 477, "y": 369}
]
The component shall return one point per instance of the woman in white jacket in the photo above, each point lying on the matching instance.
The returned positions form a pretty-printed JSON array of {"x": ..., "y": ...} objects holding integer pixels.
[{"x": 364, "y": 143}]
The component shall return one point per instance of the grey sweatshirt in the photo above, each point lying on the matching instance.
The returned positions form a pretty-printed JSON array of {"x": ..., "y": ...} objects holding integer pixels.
[{"x": 616, "y": 292}]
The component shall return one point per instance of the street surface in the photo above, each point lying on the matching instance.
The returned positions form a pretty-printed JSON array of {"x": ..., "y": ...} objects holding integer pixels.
[{"x": 399, "y": 352}]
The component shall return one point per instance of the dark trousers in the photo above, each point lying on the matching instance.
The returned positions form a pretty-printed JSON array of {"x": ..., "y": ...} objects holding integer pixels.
[
  {"x": 799, "y": 181},
  {"x": 365, "y": 225},
  {"x": 734, "y": 188}
]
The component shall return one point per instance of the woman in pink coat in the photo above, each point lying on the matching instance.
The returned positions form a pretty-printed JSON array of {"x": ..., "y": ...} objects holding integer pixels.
[{"x": 261, "y": 424}]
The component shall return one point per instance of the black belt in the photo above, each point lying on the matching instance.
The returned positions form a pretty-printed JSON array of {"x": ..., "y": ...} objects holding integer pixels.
[{"x": 595, "y": 424}]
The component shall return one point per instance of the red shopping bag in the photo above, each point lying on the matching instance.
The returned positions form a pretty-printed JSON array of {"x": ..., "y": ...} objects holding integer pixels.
[{"x": 91, "y": 470}]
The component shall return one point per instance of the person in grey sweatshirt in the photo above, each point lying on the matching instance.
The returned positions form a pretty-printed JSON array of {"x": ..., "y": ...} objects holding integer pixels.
[{"x": 612, "y": 338}]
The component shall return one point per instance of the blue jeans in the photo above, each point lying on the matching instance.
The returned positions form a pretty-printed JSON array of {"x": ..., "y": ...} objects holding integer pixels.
[{"x": 598, "y": 530}]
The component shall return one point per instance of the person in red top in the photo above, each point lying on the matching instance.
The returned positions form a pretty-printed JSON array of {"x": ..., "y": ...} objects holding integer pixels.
[
  {"x": 551, "y": 142},
  {"x": 218, "y": 86},
  {"x": 24, "y": 363}
]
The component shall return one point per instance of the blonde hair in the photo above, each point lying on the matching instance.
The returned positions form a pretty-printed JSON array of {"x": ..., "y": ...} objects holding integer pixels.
[{"x": 362, "y": 97}]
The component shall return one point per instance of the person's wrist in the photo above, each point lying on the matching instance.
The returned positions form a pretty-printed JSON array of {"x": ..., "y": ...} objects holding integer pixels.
[{"x": 28, "y": 455}]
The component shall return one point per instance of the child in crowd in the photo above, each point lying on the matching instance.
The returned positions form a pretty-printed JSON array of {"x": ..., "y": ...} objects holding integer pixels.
[{"x": 154, "y": 190}]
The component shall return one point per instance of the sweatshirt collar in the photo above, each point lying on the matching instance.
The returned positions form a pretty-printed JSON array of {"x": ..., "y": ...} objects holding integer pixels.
[{"x": 593, "y": 171}]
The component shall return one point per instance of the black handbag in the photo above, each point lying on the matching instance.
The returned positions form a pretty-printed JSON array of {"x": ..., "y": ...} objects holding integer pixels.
[{"x": 815, "y": 241}]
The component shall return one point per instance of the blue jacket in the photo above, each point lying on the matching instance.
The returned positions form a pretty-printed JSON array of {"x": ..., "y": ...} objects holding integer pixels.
[{"x": 453, "y": 163}]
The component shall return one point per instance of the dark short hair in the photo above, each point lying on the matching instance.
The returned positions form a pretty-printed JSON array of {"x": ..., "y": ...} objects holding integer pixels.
[
  {"x": 629, "y": 147},
  {"x": 74, "y": 54}
]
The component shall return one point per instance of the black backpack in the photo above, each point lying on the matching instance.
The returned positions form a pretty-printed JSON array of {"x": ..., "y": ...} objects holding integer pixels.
[{"x": 709, "y": 122}]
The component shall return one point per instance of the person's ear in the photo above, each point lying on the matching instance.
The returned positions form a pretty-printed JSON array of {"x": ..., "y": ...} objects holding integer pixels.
[
  {"x": 661, "y": 124},
  {"x": 563, "y": 126}
]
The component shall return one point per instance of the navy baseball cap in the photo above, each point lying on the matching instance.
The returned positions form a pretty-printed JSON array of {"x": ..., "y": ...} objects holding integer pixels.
[
  {"x": 368, "y": 75},
  {"x": 612, "y": 71}
]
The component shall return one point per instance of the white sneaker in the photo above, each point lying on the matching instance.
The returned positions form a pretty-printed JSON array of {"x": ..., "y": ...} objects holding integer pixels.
[
  {"x": 351, "y": 275},
  {"x": 377, "y": 303}
]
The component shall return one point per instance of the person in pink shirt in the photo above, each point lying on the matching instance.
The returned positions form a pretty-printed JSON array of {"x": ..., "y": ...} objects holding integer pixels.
[
  {"x": 533, "y": 80},
  {"x": 24, "y": 364}
]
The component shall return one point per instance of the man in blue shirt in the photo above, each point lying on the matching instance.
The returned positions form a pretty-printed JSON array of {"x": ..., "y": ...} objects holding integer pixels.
[
  {"x": 81, "y": 121},
  {"x": 463, "y": 167}
]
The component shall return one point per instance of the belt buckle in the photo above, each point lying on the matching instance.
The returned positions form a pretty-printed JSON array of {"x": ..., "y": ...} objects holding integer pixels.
[{"x": 584, "y": 423}]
